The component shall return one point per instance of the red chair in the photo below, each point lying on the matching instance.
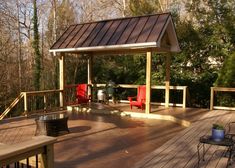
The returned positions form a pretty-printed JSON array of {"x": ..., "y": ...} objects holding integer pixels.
[
  {"x": 140, "y": 98},
  {"x": 82, "y": 94}
]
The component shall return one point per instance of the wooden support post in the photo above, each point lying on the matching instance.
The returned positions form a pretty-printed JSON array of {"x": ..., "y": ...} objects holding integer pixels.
[
  {"x": 89, "y": 69},
  {"x": 167, "y": 83},
  {"x": 212, "y": 99},
  {"x": 61, "y": 72},
  {"x": 47, "y": 158},
  {"x": 89, "y": 73},
  {"x": 25, "y": 104},
  {"x": 148, "y": 82}
]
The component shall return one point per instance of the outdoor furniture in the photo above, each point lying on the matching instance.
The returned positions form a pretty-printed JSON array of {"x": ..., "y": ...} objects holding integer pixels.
[
  {"x": 101, "y": 95},
  {"x": 139, "y": 100},
  {"x": 52, "y": 124},
  {"x": 227, "y": 142},
  {"x": 230, "y": 129},
  {"x": 82, "y": 94}
]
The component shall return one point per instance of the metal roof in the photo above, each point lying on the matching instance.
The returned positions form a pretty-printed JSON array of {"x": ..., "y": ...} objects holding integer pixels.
[{"x": 152, "y": 31}]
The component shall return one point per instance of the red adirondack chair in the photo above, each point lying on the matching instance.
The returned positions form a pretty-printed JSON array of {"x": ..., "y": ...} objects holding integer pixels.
[
  {"x": 139, "y": 99},
  {"x": 82, "y": 94}
]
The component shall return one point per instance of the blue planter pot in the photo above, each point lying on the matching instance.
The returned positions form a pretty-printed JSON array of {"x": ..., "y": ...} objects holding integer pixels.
[{"x": 217, "y": 135}]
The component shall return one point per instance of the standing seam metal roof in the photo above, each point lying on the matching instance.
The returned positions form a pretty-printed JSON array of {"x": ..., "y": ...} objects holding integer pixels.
[{"x": 122, "y": 31}]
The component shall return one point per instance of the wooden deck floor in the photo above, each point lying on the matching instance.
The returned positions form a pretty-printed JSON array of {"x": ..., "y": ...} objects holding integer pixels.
[
  {"x": 181, "y": 151},
  {"x": 101, "y": 140}
]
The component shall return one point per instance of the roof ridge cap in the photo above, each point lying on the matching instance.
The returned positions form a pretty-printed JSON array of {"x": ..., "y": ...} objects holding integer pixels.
[{"x": 121, "y": 18}]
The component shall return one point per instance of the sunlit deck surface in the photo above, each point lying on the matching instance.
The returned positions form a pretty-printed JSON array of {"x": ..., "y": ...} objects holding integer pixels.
[{"x": 99, "y": 140}]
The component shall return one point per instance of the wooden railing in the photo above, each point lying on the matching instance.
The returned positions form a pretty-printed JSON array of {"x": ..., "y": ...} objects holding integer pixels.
[
  {"x": 182, "y": 88},
  {"x": 13, "y": 104},
  {"x": 36, "y": 101},
  {"x": 220, "y": 89},
  {"x": 46, "y": 104},
  {"x": 70, "y": 91},
  {"x": 38, "y": 152}
]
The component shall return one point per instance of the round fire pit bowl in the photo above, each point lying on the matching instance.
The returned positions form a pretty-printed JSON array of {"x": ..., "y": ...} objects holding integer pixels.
[{"x": 52, "y": 125}]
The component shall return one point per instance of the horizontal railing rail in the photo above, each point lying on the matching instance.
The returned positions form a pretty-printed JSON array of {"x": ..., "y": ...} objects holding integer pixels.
[
  {"x": 212, "y": 98},
  {"x": 38, "y": 152}
]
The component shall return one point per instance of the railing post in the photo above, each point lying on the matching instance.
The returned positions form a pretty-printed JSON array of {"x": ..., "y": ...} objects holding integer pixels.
[
  {"x": 47, "y": 158},
  {"x": 45, "y": 102},
  {"x": 25, "y": 104},
  {"x": 212, "y": 98},
  {"x": 184, "y": 96}
]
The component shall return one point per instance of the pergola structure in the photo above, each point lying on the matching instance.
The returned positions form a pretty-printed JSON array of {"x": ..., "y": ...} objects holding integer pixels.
[{"x": 148, "y": 34}]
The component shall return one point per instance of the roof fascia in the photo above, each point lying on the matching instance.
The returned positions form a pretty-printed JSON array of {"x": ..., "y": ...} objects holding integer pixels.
[{"x": 107, "y": 48}]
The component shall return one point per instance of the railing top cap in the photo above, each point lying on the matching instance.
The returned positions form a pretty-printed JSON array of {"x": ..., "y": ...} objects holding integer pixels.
[{"x": 9, "y": 151}]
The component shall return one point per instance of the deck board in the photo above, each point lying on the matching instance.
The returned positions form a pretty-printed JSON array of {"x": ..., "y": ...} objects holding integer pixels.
[
  {"x": 182, "y": 149},
  {"x": 173, "y": 145},
  {"x": 210, "y": 149}
]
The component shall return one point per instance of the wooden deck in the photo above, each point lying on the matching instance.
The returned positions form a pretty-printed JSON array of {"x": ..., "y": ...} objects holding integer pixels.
[
  {"x": 101, "y": 140},
  {"x": 182, "y": 149}
]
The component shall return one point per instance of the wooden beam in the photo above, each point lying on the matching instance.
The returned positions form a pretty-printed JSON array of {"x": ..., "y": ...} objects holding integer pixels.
[
  {"x": 61, "y": 74},
  {"x": 148, "y": 82},
  {"x": 163, "y": 49},
  {"x": 223, "y": 89},
  {"x": 167, "y": 83}
]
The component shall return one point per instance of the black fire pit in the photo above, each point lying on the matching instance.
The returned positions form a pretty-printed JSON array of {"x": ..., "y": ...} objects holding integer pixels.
[{"x": 52, "y": 124}]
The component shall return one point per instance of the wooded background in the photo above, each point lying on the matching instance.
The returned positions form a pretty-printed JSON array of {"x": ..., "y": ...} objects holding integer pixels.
[{"x": 205, "y": 29}]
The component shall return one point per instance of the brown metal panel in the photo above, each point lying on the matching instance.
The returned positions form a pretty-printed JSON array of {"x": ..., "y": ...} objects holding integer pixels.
[
  {"x": 136, "y": 31},
  {"x": 71, "y": 37},
  {"x": 117, "y": 34},
  {"x": 147, "y": 29},
  {"x": 77, "y": 36},
  {"x": 93, "y": 34},
  {"x": 110, "y": 32},
  {"x": 85, "y": 35},
  {"x": 158, "y": 27},
  {"x": 101, "y": 34},
  {"x": 131, "y": 25},
  {"x": 63, "y": 37}
]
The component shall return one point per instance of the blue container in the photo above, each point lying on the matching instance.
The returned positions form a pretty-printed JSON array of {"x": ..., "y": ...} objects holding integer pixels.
[{"x": 217, "y": 135}]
